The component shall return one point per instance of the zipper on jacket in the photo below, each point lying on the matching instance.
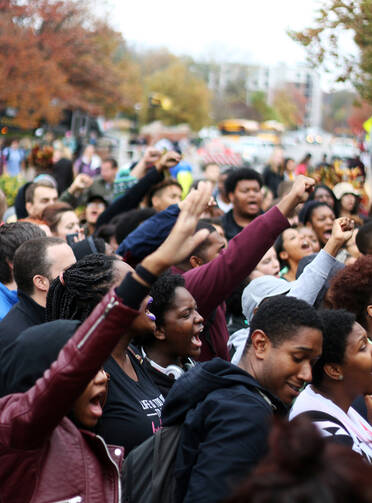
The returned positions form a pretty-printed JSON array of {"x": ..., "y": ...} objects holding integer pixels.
[
  {"x": 112, "y": 303},
  {"x": 115, "y": 465}
]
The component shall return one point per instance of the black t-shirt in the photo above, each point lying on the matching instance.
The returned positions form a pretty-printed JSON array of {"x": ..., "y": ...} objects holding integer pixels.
[
  {"x": 133, "y": 409},
  {"x": 162, "y": 381}
]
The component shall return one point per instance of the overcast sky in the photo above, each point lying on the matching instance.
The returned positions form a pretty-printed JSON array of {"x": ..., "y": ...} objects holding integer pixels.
[{"x": 246, "y": 31}]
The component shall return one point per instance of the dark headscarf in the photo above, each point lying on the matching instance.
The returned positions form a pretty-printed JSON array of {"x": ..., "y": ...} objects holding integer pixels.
[
  {"x": 88, "y": 246},
  {"x": 32, "y": 353}
]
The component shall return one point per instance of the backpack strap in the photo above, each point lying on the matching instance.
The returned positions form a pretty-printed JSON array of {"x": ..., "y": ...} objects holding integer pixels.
[{"x": 161, "y": 473}]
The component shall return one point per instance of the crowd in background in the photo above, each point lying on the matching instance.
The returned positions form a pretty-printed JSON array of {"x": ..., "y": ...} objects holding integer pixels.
[{"x": 142, "y": 298}]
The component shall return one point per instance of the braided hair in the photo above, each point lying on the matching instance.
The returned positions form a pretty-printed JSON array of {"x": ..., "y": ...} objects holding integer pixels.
[{"x": 80, "y": 288}]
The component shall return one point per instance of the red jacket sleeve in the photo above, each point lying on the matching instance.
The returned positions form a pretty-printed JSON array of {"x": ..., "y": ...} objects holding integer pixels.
[
  {"x": 211, "y": 283},
  {"x": 27, "y": 419}
]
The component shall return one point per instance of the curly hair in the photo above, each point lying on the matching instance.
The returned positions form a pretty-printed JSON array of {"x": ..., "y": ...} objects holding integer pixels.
[
  {"x": 302, "y": 466},
  {"x": 241, "y": 174},
  {"x": 351, "y": 289},
  {"x": 337, "y": 325},
  {"x": 83, "y": 285}
]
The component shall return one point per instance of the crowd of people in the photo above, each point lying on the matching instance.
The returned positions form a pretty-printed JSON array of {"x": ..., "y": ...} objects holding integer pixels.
[{"x": 134, "y": 303}]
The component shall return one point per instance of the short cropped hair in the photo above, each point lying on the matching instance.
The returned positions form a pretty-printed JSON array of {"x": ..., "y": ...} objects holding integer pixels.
[
  {"x": 157, "y": 189},
  {"x": 280, "y": 317},
  {"x": 241, "y": 174},
  {"x": 202, "y": 224},
  {"x": 337, "y": 325},
  {"x": 163, "y": 293},
  {"x": 30, "y": 191},
  {"x": 11, "y": 237},
  {"x": 30, "y": 259},
  {"x": 364, "y": 239},
  {"x": 112, "y": 161}
]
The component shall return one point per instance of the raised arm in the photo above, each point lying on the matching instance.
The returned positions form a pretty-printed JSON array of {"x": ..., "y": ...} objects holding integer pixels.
[
  {"x": 27, "y": 419},
  {"x": 149, "y": 235},
  {"x": 212, "y": 283},
  {"x": 315, "y": 274},
  {"x": 135, "y": 194}
]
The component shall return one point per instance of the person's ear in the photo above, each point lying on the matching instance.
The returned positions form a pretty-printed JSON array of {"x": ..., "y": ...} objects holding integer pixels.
[
  {"x": 260, "y": 343},
  {"x": 283, "y": 255},
  {"x": 155, "y": 202},
  {"x": 195, "y": 261},
  {"x": 29, "y": 206},
  {"x": 41, "y": 282},
  {"x": 255, "y": 310},
  {"x": 160, "y": 334},
  {"x": 10, "y": 264},
  {"x": 333, "y": 371},
  {"x": 369, "y": 310},
  {"x": 230, "y": 197}
]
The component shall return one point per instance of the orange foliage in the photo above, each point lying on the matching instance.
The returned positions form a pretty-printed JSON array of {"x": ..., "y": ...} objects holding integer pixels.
[
  {"x": 359, "y": 114},
  {"x": 55, "y": 55}
]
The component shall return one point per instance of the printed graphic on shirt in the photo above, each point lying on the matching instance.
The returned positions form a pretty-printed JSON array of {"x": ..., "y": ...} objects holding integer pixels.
[{"x": 153, "y": 409}]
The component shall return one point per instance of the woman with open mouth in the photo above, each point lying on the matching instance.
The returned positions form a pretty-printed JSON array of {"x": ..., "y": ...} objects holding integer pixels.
[
  {"x": 57, "y": 388},
  {"x": 291, "y": 246},
  {"x": 175, "y": 344},
  {"x": 132, "y": 412},
  {"x": 320, "y": 217}
]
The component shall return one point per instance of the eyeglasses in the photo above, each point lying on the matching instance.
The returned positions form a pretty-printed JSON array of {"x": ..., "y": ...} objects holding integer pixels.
[{"x": 99, "y": 206}]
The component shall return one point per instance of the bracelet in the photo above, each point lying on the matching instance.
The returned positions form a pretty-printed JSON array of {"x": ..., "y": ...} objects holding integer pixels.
[{"x": 146, "y": 275}]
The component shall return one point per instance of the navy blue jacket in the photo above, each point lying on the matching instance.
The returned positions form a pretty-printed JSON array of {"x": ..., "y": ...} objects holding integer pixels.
[
  {"x": 149, "y": 235},
  {"x": 227, "y": 416}
]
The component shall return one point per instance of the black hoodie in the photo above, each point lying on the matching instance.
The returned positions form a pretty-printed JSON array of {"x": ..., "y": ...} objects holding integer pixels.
[{"x": 227, "y": 416}]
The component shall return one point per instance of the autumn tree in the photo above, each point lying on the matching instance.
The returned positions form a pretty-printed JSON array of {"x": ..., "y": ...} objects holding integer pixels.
[
  {"x": 258, "y": 100},
  {"x": 323, "y": 42},
  {"x": 187, "y": 96},
  {"x": 337, "y": 107},
  {"x": 55, "y": 55},
  {"x": 289, "y": 107},
  {"x": 358, "y": 115}
]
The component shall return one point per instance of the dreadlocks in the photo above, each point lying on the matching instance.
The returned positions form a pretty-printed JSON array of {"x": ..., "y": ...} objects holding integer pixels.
[{"x": 81, "y": 287}]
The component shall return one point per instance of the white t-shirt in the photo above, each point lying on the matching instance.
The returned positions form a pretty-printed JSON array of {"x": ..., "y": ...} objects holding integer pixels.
[{"x": 353, "y": 430}]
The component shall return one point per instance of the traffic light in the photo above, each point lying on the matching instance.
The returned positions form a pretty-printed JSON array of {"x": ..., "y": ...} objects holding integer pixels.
[
  {"x": 154, "y": 101},
  {"x": 157, "y": 100}
]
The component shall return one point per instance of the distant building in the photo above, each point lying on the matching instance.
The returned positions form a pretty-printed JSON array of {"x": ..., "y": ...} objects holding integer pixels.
[
  {"x": 219, "y": 76},
  {"x": 270, "y": 78}
]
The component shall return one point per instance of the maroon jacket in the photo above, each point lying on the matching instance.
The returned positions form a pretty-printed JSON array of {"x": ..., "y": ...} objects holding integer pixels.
[
  {"x": 44, "y": 457},
  {"x": 212, "y": 283}
]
